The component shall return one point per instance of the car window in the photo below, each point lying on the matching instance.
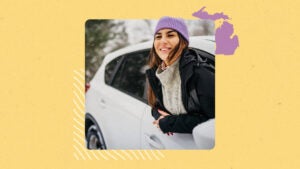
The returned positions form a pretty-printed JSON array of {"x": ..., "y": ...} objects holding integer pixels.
[
  {"x": 110, "y": 69},
  {"x": 130, "y": 77}
]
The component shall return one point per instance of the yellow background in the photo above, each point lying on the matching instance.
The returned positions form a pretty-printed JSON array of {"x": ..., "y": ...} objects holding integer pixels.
[{"x": 257, "y": 110}]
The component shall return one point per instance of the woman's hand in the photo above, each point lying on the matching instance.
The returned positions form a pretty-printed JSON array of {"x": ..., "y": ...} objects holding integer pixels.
[
  {"x": 162, "y": 115},
  {"x": 156, "y": 122}
]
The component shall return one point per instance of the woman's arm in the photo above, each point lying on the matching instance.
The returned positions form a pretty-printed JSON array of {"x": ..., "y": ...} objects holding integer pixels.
[{"x": 183, "y": 123}]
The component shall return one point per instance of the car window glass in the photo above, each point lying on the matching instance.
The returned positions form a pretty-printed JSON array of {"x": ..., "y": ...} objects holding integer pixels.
[
  {"x": 131, "y": 77},
  {"x": 111, "y": 68}
]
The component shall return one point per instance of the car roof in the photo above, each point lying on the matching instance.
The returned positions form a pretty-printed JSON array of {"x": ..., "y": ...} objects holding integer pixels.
[{"x": 206, "y": 43}]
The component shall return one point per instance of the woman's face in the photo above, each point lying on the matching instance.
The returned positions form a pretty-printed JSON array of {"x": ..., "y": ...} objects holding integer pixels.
[{"x": 165, "y": 41}]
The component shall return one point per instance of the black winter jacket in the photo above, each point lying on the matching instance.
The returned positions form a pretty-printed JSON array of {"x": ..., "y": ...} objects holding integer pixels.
[{"x": 204, "y": 83}]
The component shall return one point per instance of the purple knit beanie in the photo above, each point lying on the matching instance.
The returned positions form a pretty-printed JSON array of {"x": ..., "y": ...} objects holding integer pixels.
[{"x": 173, "y": 23}]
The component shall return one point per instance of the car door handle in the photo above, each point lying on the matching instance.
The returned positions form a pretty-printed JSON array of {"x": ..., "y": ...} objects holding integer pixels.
[
  {"x": 154, "y": 142},
  {"x": 102, "y": 101}
]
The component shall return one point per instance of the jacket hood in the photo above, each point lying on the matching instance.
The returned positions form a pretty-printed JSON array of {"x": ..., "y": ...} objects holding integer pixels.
[{"x": 187, "y": 57}]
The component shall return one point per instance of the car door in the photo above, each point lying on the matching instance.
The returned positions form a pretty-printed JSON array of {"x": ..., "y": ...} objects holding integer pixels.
[
  {"x": 153, "y": 138},
  {"x": 125, "y": 104}
]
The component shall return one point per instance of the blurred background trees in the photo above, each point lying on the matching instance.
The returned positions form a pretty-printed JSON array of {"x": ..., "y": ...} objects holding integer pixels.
[
  {"x": 105, "y": 36},
  {"x": 97, "y": 34}
]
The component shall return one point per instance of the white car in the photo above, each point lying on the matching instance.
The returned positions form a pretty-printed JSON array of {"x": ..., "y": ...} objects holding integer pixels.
[{"x": 117, "y": 113}]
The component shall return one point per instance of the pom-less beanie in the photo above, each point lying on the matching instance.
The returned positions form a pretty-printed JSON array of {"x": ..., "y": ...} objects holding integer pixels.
[{"x": 173, "y": 23}]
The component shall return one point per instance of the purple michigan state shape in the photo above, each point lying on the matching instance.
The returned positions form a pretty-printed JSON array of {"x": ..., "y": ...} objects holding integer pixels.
[{"x": 226, "y": 43}]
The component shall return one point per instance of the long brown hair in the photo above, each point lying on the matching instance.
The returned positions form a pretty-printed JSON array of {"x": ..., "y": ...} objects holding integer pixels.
[{"x": 155, "y": 61}]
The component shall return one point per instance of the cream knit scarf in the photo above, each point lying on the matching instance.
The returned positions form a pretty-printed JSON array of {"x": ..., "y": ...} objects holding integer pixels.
[{"x": 171, "y": 88}]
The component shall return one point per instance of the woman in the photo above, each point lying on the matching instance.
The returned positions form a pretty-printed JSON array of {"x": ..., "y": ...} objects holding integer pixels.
[{"x": 180, "y": 93}]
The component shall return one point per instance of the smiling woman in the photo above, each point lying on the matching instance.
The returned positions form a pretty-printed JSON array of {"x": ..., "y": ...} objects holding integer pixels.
[
  {"x": 117, "y": 114},
  {"x": 181, "y": 91}
]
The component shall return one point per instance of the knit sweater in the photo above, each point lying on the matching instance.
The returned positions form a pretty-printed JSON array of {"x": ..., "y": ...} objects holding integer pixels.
[{"x": 171, "y": 88}]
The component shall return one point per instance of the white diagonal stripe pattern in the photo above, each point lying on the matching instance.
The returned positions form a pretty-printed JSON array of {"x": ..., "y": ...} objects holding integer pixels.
[
  {"x": 95, "y": 155},
  {"x": 83, "y": 148},
  {"x": 141, "y": 154},
  {"x": 79, "y": 90},
  {"x": 80, "y": 137},
  {"x": 78, "y": 98},
  {"x": 81, "y": 131},
  {"x": 155, "y": 156},
  {"x": 80, "y": 124},
  {"x": 108, "y": 153},
  {"x": 132, "y": 152},
  {"x": 77, "y": 106},
  {"x": 101, "y": 154},
  {"x": 79, "y": 75},
  {"x": 78, "y": 81},
  {"x": 78, "y": 115},
  {"x": 149, "y": 157},
  {"x": 79, "y": 152},
  {"x": 127, "y": 155},
  {"x": 118, "y": 154},
  {"x": 75, "y": 155},
  {"x": 161, "y": 154}
]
